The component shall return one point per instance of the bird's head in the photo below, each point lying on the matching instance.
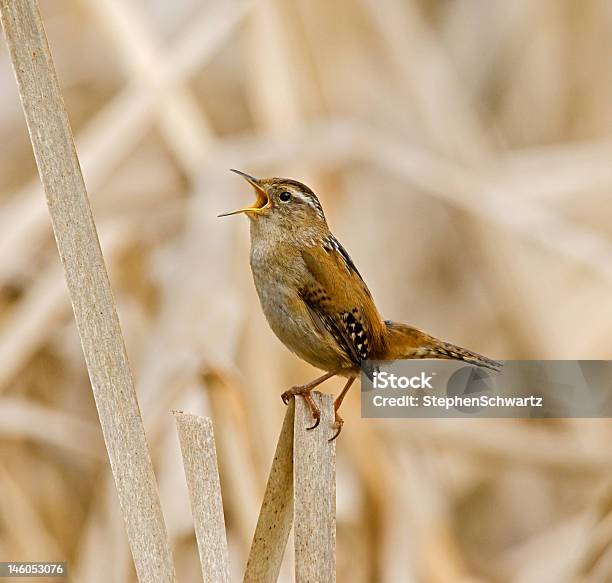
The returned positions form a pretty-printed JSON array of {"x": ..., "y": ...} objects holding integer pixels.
[{"x": 282, "y": 203}]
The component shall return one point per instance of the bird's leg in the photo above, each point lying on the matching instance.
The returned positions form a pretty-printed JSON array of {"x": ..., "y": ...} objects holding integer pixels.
[
  {"x": 304, "y": 391},
  {"x": 339, "y": 422}
]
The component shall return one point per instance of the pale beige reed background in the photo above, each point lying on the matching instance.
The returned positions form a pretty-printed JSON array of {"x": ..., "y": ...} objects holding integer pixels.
[{"x": 463, "y": 153}]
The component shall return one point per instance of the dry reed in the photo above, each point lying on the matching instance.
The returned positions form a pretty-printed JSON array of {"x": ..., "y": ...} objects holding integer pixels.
[{"x": 462, "y": 152}]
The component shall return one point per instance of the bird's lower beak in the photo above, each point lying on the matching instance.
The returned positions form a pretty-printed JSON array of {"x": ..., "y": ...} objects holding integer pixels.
[{"x": 262, "y": 198}]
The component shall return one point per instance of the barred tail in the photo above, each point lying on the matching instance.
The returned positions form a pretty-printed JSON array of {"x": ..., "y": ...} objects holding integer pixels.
[{"x": 407, "y": 342}]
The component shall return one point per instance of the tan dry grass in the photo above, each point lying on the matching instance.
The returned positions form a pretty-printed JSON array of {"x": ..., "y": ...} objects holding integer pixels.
[{"x": 462, "y": 151}]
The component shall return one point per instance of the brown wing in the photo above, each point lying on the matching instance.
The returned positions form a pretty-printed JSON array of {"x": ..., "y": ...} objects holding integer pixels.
[{"x": 340, "y": 302}]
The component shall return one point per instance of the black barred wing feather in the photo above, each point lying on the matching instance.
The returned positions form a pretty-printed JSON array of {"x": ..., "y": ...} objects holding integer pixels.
[{"x": 340, "y": 302}]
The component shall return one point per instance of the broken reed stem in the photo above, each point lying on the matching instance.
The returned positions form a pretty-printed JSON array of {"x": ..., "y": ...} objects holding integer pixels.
[
  {"x": 90, "y": 291},
  {"x": 276, "y": 514},
  {"x": 202, "y": 473},
  {"x": 301, "y": 489},
  {"x": 314, "y": 483}
]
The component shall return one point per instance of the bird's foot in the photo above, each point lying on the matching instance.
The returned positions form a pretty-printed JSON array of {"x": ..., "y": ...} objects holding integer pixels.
[{"x": 305, "y": 392}]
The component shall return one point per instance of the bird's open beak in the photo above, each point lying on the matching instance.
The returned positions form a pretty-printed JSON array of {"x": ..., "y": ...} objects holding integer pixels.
[{"x": 262, "y": 198}]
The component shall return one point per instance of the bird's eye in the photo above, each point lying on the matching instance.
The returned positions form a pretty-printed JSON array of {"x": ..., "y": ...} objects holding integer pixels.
[{"x": 285, "y": 196}]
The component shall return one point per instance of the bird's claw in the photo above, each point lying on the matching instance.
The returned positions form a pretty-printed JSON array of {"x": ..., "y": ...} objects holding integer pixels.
[
  {"x": 337, "y": 425},
  {"x": 292, "y": 392},
  {"x": 317, "y": 417}
]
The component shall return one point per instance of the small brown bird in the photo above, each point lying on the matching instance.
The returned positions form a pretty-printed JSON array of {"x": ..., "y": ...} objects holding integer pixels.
[{"x": 314, "y": 298}]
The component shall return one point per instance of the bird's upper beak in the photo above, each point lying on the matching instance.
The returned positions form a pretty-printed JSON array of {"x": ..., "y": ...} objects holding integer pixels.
[{"x": 262, "y": 198}]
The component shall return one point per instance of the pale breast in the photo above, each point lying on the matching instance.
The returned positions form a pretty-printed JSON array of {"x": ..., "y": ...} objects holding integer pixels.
[{"x": 278, "y": 278}]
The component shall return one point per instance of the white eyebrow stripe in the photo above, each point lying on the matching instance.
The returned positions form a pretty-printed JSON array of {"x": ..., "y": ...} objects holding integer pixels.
[
  {"x": 310, "y": 201},
  {"x": 304, "y": 198}
]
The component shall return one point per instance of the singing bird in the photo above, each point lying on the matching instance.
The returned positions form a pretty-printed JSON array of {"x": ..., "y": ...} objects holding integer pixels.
[{"x": 315, "y": 299}]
